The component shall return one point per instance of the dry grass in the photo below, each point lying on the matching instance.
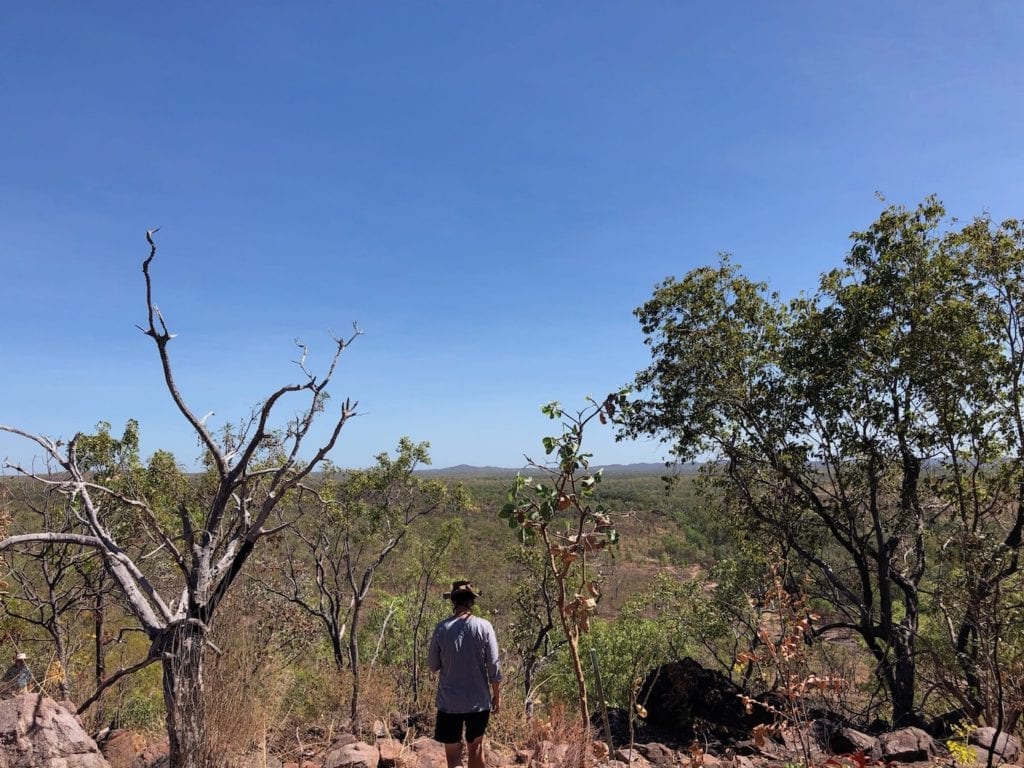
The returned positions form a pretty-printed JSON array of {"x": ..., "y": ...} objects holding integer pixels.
[{"x": 246, "y": 686}]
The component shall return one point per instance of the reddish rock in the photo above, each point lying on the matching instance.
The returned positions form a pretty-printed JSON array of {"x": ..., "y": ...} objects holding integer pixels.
[
  {"x": 356, "y": 755},
  {"x": 632, "y": 757},
  {"x": 429, "y": 753},
  {"x": 154, "y": 754},
  {"x": 122, "y": 747},
  {"x": 846, "y": 741},
  {"x": 907, "y": 745},
  {"x": 658, "y": 754}
]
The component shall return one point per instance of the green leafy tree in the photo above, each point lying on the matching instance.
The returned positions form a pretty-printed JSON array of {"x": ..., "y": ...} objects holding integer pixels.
[
  {"x": 353, "y": 523},
  {"x": 429, "y": 565},
  {"x": 862, "y": 427}
]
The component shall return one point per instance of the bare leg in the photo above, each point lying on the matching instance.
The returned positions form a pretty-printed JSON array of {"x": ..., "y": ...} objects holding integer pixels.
[
  {"x": 453, "y": 754},
  {"x": 476, "y": 753}
]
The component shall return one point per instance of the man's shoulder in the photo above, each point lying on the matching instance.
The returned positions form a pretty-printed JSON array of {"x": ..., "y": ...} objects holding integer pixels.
[{"x": 483, "y": 623}]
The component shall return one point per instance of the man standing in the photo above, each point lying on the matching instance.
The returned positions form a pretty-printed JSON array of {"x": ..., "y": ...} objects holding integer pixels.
[
  {"x": 18, "y": 677},
  {"x": 464, "y": 650}
]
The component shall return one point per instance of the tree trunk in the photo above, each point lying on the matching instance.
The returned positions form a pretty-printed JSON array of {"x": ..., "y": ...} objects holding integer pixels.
[
  {"x": 353, "y": 660},
  {"x": 183, "y": 646},
  {"x": 904, "y": 671},
  {"x": 337, "y": 649},
  {"x": 61, "y": 650}
]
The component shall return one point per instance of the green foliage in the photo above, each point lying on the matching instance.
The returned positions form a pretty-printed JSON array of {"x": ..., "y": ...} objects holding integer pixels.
[
  {"x": 140, "y": 705},
  {"x": 958, "y": 746},
  {"x": 563, "y": 513},
  {"x": 628, "y": 647},
  {"x": 865, "y": 427}
]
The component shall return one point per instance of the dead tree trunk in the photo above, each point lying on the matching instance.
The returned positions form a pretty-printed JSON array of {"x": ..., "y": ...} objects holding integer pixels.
[{"x": 182, "y": 656}]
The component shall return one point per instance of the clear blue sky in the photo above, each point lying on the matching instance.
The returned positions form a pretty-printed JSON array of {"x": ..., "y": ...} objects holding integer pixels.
[{"x": 488, "y": 188}]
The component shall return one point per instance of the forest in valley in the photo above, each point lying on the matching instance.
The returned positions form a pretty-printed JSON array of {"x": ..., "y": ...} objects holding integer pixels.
[{"x": 842, "y": 526}]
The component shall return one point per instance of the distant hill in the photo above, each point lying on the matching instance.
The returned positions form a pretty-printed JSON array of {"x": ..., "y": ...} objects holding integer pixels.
[{"x": 467, "y": 470}]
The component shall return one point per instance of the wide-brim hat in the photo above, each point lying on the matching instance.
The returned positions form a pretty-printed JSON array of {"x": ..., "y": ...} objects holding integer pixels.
[
  {"x": 20, "y": 656},
  {"x": 461, "y": 588}
]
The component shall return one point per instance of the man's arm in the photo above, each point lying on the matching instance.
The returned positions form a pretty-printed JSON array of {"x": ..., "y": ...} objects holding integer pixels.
[
  {"x": 493, "y": 669},
  {"x": 434, "y": 654},
  {"x": 495, "y": 696}
]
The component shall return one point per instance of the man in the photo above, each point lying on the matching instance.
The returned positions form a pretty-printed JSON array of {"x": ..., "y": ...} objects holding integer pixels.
[
  {"x": 464, "y": 650},
  {"x": 18, "y": 677}
]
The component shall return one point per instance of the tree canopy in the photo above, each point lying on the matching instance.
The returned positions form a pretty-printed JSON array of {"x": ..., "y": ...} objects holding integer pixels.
[{"x": 866, "y": 428}]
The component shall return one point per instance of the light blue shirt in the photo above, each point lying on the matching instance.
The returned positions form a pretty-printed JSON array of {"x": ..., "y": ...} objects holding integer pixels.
[{"x": 465, "y": 652}]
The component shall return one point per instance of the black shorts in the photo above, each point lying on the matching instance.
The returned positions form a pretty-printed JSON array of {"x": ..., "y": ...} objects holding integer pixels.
[{"x": 448, "y": 729}]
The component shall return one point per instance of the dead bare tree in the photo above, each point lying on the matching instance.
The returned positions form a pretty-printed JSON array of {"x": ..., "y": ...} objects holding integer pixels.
[{"x": 208, "y": 536}]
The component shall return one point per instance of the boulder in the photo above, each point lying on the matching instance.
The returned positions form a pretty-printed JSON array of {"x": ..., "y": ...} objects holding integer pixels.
[
  {"x": 658, "y": 754},
  {"x": 154, "y": 755},
  {"x": 1007, "y": 746},
  {"x": 394, "y": 754},
  {"x": 121, "y": 747},
  {"x": 631, "y": 757},
  {"x": 682, "y": 695},
  {"x": 355, "y": 755},
  {"x": 36, "y": 732},
  {"x": 906, "y": 745},
  {"x": 429, "y": 753},
  {"x": 847, "y": 741}
]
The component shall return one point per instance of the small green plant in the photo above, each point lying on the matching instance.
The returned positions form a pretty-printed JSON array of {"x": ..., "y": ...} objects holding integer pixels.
[
  {"x": 958, "y": 746},
  {"x": 561, "y": 512}
]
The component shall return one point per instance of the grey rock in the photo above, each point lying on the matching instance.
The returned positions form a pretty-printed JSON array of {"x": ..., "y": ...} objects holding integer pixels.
[
  {"x": 1007, "y": 745},
  {"x": 36, "y": 732},
  {"x": 906, "y": 745},
  {"x": 849, "y": 740},
  {"x": 356, "y": 755}
]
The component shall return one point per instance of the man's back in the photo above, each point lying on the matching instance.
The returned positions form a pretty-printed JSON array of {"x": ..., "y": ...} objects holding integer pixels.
[{"x": 465, "y": 651}]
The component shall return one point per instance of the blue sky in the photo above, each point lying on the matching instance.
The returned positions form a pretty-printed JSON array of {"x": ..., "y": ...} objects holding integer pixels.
[{"x": 489, "y": 189}]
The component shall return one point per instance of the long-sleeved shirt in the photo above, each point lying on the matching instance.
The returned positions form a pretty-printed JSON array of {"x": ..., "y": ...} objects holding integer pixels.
[{"x": 465, "y": 651}]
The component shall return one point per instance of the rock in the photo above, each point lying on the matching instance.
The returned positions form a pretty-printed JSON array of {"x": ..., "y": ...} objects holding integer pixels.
[
  {"x": 36, "y": 732},
  {"x": 632, "y": 757},
  {"x": 803, "y": 740},
  {"x": 550, "y": 753},
  {"x": 154, "y": 755},
  {"x": 1007, "y": 745},
  {"x": 394, "y": 754},
  {"x": 847, "y": 741},
  {"x": 906, "y": 745},
  {"x": 942, "y": 726},
  {"x": 355, "y": 755},
  {"x": 682, "y": 693},
  {"x": 658, "y": 754},
  {"x": 343, "y": 740},
  {"x": 429, "y": 753},
  {"x": 122, "y": 747}
]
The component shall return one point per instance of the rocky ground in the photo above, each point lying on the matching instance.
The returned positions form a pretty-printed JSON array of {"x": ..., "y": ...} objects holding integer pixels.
[{"x": 695, "y": 720}]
